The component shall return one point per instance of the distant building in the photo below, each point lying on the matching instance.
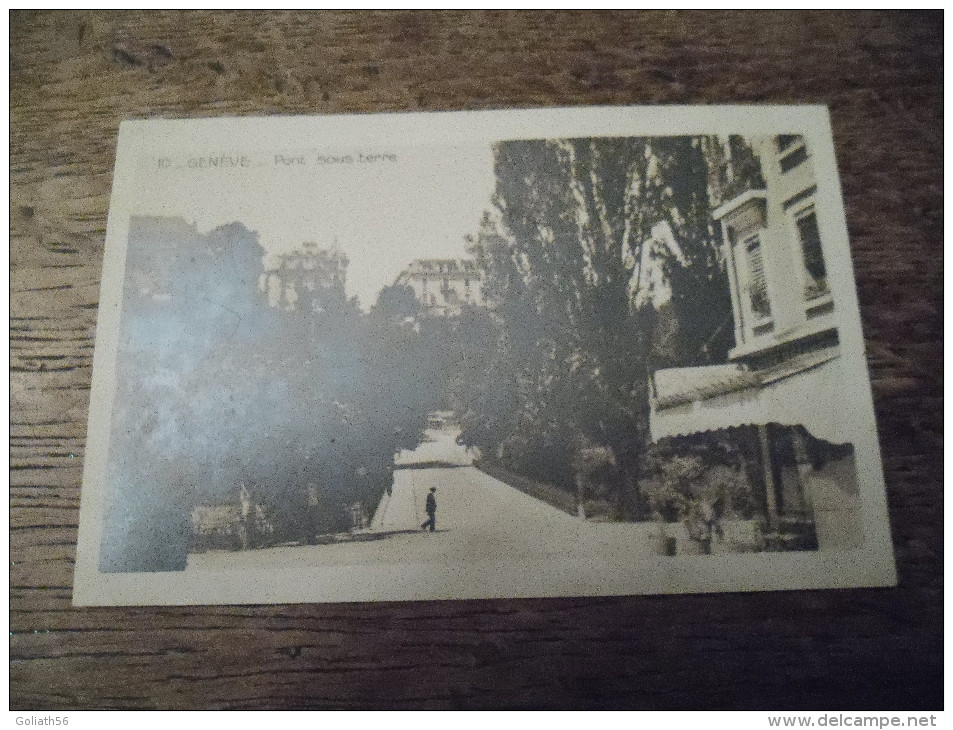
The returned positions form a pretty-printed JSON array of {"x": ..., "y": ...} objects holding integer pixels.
[
  {"x": 783, "y": 383},
  {"x": 444, "y": 286},
  {"x": 650, "y": 284},
  {"x": 301, "y": 280}
]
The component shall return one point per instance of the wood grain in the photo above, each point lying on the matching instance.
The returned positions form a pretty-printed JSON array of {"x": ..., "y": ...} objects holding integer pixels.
[{"x": 76, "y": 75}]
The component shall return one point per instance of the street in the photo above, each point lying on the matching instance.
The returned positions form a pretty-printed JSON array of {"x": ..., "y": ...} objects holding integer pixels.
[
  {"x": 479, "y": 520},
  {"x": 478, "y": 517}
]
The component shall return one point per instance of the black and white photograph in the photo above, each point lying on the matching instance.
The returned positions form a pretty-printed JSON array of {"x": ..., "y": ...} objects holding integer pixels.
[{"x": 495, "y": 354}]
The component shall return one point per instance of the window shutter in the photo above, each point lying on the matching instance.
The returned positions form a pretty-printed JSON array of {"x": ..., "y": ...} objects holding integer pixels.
[
  {"x": 813, "y": 255},
  {"x": 758, "y": 282}
]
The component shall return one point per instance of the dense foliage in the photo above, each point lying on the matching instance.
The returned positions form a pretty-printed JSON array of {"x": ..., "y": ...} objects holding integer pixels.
[
  {"x": 216, "y": 389},
  {"x": 305, "y": 405},
  {"x": 576, "y": 324}
]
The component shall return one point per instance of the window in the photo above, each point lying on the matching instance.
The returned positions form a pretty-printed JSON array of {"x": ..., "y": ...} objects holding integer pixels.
[
  {"x": 815, "y": 272},
  {"x": 792, "y": 160},
  {"x": 757, "y": 279},
  {"x": 787, "y": 141},
  {"x": 791, "y": 151}
]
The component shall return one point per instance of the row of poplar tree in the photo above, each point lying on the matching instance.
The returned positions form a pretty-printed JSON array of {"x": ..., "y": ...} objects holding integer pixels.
[{"x": 574, "y": 341}]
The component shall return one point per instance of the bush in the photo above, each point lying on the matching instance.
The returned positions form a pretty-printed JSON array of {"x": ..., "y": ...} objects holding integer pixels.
[{"x": 698, "y": 479}]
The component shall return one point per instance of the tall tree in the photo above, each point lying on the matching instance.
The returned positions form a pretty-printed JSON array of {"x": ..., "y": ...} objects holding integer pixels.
[
  {"x": 559, "y": 270},
  {"x": 217, "y": 389},
  {"x": 561, "y": 254},
  {"x": 694, "y": 175}
]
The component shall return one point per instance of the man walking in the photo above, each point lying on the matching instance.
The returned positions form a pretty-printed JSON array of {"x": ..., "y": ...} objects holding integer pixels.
[
  {"x": 246, "y": 526},
  {"x": 431, "y": 511}
]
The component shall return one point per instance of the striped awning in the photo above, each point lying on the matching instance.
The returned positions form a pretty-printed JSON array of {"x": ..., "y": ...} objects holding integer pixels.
[{"x": 806, "y": 390}]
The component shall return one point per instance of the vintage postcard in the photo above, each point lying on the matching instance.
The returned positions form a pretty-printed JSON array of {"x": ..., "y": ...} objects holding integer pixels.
[{"x": 561, "y": 352}]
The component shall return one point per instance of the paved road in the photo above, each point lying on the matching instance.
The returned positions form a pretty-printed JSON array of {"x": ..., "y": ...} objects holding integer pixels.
[{"x": 479, "y": 518}]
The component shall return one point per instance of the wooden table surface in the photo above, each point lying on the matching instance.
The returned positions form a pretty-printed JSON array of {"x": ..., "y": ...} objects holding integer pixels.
[{"x": 75, "y": 76}]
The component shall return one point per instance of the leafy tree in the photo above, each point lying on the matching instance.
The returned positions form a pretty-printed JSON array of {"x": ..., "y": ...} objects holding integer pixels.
[
  {"x": 215, "y": 389},
  {"x": 559, "y": 266},
  {"x": 173, "y": 425},
  {"x": 561, "y": 254},
  {"x": 696, "y": 174}
]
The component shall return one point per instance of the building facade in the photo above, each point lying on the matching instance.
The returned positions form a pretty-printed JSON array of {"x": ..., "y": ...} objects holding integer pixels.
[
  {"x": 775, "y": 258},
  {"x": 444, "y": 286},
  {"x": 301, "y": 280},
  {"x": 780, "y": 389},
  {"x": 650, "y": 284}
]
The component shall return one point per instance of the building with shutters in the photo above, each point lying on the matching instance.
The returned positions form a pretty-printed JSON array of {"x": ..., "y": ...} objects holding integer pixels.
[
  {"x": 444, "y": 286},
  {"x": 781, "y": 389},
  {"x": 774, "y": 254}
]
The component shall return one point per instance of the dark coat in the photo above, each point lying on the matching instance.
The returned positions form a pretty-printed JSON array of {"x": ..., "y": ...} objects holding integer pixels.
[{"x": 431, "y": 504}]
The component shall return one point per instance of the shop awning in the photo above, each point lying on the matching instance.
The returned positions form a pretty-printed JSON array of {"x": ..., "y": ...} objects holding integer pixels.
[{"x": 805, "y": 390}]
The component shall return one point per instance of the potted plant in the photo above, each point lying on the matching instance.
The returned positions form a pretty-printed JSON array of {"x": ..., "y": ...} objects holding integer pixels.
[
  {"x": 698, "y": 519},
  {"x": 666, "y": 504},
  {"x": 701, "y": 484},
  {"x": 669, "y": 494}
]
